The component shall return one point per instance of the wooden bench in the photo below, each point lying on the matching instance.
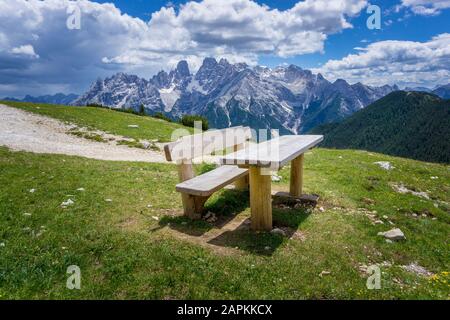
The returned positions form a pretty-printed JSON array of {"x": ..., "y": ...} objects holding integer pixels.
[{"x": 195, "y": 191}]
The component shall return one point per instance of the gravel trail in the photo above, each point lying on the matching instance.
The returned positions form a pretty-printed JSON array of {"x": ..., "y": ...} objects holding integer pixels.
[{"x": 24, "y": 131}]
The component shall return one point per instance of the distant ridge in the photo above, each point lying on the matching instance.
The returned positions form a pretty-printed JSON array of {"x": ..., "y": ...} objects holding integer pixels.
[{"x": 58, "y": 98}]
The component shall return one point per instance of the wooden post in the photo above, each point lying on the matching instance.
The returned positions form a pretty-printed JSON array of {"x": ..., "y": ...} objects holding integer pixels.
[
  {"x": 186, "y": 172},
  {"x": 241, "y": 183},
  {"x": 296, "y": 184},
  {"x": 260, "y": 199}
]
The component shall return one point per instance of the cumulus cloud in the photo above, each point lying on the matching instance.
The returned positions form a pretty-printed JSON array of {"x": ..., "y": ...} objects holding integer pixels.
[
  {"x": 27, "y": 50},
  {"x": 38, "y": 51},
  {"x": 395, "y": 62},
  {"x": 426, "y": 7}
]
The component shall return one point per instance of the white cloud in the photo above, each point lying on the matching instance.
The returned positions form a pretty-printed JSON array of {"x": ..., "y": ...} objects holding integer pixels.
[
  {"x": 27, "y": 50},
  {"x": 401, "y": 62},
  {"x": 109, "y": 40},
  {"x": 426, "y": 7}
]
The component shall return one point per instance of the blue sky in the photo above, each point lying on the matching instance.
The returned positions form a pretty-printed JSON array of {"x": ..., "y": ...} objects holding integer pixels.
[{"x": 40, "y": 55}]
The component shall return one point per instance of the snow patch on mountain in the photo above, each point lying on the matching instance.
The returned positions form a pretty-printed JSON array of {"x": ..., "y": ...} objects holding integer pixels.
[{"x": 169, "y": 96}]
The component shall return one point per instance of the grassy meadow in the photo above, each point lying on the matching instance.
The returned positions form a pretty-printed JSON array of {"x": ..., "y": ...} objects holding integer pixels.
[{"x": 126, "y": 232}]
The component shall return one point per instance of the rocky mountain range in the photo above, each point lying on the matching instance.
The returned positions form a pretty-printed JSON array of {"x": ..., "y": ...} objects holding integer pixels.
[{"x": 288, "y": 98}]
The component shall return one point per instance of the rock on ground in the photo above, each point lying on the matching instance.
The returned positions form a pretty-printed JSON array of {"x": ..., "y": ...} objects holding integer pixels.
[
  {"x": 386, "y": 165},
  {"x": 393, "y": 234}
]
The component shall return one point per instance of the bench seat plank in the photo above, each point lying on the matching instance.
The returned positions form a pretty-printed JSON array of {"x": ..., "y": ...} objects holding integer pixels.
[{"x": 208, "y": 183}]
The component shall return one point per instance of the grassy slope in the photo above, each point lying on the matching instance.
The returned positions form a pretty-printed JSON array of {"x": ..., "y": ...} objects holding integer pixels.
[
  {"x": 124, "y": 253},
  {"x": 407, "y": 124},
  {"x": 104, "y": 119}
]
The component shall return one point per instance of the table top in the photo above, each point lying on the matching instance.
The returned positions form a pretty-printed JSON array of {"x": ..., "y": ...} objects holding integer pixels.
[{"x": 273, "y": 153}]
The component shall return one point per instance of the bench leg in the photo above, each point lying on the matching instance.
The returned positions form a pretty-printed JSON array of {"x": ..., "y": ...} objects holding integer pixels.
[
  {"x": 241, "y": 183},
  {"x": 193, "y": 205},
  {"x": 260, "y": 199},
  {"x": 296, "y": 183}
]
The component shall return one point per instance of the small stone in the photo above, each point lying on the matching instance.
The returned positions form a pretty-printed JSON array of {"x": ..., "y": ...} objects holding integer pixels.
[
  {"x": 267, "y": 248},
  {"x": 276, "y": 178},
  {"x": 388, "y": 241},
  {"x": 393, "y": 234},
  {"x": 278, "y": 231},
  {"x": 436, "y": 205},
  {"x": 386, "y": 165},
  {"x": 414, "y": 215},
  {"x": 133, "y": 126},
  {"x": 321, "y": 209},
  {"x": 145, "y": 144},
  {"x": 385, "y": 217},
  {"x": 64, "y": 248},
  {"x": 424, "y": 215},
  {"x": 155, "y": 218},
  {"x": 391, "y": 223},
  {"x": 434, "y": 218},
  {"x": 27, "y": 214},
  {"x": 2, "y": 244},
  {"x": 32, "y": 190},
  {"x": 415, "y": 268},
  {"x": 184, "y": 223},
  {"x": 378, "y": 222},
  {"x": 149, "y": 206},
  {"x": 208, "y": 215},
  {"x": 434, "y": 178},
  {"x": 108, "y": 200},
  {"x": 81, "y": 189},
  {"x": 67, "y": 203},
  {"x": 324, "y": 273}
]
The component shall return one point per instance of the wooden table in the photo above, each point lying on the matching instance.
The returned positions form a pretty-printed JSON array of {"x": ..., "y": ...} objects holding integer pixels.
[{"x": 269, "y": 156}]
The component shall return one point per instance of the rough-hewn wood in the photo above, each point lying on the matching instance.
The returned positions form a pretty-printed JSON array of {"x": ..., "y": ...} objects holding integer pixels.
[
  {"x": 241, "y": 183},
  {"x": 205, "y": 143},
  {"x": 296, "y": 182},
  {"x": 274, "y": 153},
  {"x": 260, "y": 199},
  {"x": 186, "y": 172},
  {"x": 210, "y": 182}
]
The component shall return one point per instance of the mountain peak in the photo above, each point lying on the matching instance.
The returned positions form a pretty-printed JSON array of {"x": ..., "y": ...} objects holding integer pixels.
[
  {"x": 209, "y": 62},
  {"x": 183, "y": 68}
]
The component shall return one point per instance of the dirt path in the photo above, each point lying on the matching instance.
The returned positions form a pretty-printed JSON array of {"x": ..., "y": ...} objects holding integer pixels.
[{"x": 23, "y": 131}]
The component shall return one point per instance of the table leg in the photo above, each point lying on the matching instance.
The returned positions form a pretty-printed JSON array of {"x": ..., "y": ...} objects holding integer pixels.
[
  {"x": 296, "y": 184},
  {"x": 260, "y": 199}
]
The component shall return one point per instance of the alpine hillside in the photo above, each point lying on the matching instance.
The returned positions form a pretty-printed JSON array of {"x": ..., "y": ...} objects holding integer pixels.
[
  {"x": 407, "y": 124},
  {"x": 287, "y": 98}
]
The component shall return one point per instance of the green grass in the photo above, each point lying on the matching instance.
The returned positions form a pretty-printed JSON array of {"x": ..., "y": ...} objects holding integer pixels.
[
  {"x": 106, "y": 120},
  {"x": 124, "y": 253}
]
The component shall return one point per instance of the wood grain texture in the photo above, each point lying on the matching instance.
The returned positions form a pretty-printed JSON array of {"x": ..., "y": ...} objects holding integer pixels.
[
  {"x": 260, "y": 199},
  {"x": 210, "y": 182},
  {"x": 241, "y": 183},
  {"x": 296, "y": 179},
  {"x": 273, "y": 154}
]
